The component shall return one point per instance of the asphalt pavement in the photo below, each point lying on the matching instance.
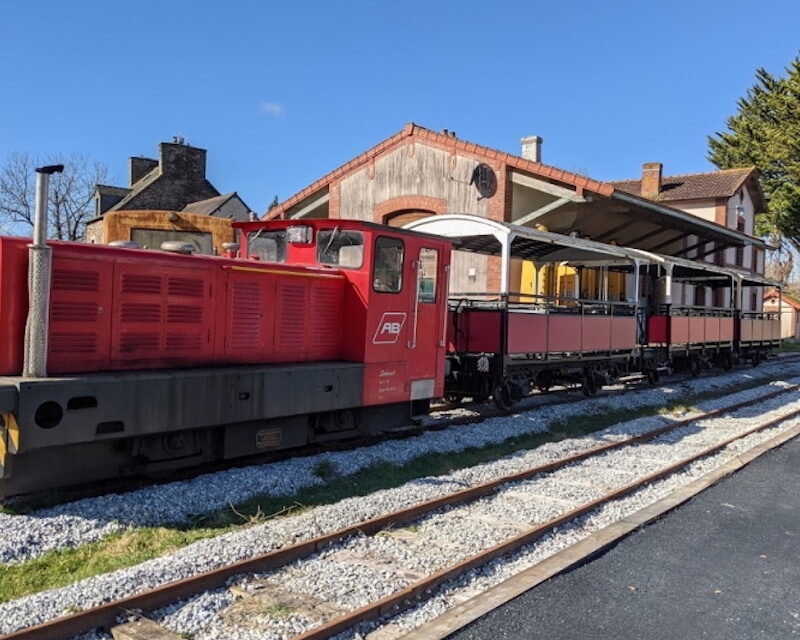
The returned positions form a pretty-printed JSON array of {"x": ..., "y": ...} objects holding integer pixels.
[{"x": 725, "y": 565}]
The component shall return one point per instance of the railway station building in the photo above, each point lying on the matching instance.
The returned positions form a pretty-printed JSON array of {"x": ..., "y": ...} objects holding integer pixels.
[{"x": 419, "y": 172}]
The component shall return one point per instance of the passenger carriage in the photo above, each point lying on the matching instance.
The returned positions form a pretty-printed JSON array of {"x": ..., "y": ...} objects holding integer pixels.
[{"x": 503, "y": 343}]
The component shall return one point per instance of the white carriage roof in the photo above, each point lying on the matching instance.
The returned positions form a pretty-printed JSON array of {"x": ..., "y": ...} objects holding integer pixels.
[
  {"x": 491, "y": 237},
  {"x": 483, "y": 235}
]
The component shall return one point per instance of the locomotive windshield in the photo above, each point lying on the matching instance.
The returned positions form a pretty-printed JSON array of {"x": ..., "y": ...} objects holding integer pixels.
[
  {"x": 269, "y": 246},
  {"x": 340, "y": 248}
]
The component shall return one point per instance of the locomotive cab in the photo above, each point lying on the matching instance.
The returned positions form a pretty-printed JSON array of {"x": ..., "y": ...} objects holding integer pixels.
[{"x": 395, "y": 300}]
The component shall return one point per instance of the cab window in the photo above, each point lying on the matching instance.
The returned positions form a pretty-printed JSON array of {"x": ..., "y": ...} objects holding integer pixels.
[
  {"x": 387, "y": 276},
  {"x": 269, "y": 246},
  {"x": 340, "y": 248},
  {"x": 428, "y": 265}
]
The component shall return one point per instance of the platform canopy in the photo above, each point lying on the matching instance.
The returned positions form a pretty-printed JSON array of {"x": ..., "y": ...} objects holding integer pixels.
[
  {"x": 510, "y": 241},
  {"x": 620, "y": 217}
]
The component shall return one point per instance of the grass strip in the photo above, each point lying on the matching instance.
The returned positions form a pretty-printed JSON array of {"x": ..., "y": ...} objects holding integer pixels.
[{"x": 61, "y": 567}]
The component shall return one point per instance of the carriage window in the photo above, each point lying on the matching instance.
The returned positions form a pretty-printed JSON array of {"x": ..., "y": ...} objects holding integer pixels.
[
  {"x": 387, "y": 276},
  {"x": 269, "y": 246},
  {"x": 342, "y": 248},
  {"x": 428, "y": 264}
]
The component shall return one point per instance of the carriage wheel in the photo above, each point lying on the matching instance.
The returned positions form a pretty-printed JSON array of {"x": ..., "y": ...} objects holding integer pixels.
[
  {"x": 452, "y": 400},
  {"x": 502, "y": 397},
  {"x": 589, "y": 384}
]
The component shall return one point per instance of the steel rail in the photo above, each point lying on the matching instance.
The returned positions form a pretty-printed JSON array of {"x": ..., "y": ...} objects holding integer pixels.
[
  {"x": 411, "y": 595},
  {"x": 106, "y": 614}
]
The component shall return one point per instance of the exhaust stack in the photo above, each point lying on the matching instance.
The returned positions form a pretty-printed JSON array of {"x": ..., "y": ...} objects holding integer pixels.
[{"x": 39, "y": 267}]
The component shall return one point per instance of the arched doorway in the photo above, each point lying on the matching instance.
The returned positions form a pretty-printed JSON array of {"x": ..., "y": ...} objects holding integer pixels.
[{"x": 404, "y": 216}]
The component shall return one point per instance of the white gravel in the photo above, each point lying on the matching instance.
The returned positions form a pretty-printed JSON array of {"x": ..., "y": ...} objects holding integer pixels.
[
  {"x": 208, "y": 554},
  {"x": 361, "y": 570},
  {"x": 72, "y": 524}
]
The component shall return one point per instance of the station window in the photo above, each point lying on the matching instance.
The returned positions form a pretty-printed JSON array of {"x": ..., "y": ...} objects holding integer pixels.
[
  {"x": 340, "y": 248},
  {"x": 428, "y": 265},
  {"x": 387, "y": 275},
  {"x": 269, "y": 246}
]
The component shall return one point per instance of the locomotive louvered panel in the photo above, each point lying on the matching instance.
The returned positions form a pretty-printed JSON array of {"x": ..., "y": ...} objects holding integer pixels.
[
  {"x": 139, "y": 343},
  {"x": 140, "y": 312},
  {"x": 182, "y": 313},
  {"x": 183, "y": 342},
  {"x": 141, "y": 283},
  {"x": 292, "y": 322},
  {"x": 80, "y": 314},
  {"x": 65, "y": 311},
  {"x": 245, "y": 316},
  {"x": 75, "y": 280},
  {"x": 325, "y": 334},
  {"x": 187, "y": 287},
  {"x": 77, "y": 343}
]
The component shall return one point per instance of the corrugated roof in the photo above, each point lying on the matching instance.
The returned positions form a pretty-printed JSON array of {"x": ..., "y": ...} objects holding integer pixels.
[{"x": 693, "y": 186}]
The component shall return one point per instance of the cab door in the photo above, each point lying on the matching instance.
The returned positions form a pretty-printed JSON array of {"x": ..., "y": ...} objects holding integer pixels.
[{"x": 426, "y": 339}]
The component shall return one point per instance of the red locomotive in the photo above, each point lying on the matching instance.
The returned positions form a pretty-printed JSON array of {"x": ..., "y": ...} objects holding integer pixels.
[{"x": 159, "y": 360}]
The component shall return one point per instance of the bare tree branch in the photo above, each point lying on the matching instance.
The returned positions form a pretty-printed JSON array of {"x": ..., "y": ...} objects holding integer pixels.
[{"x": 71, "y": 194}]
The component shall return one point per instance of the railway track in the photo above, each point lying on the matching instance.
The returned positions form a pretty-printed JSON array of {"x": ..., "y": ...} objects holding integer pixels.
[{"x": 634, "y": 472}]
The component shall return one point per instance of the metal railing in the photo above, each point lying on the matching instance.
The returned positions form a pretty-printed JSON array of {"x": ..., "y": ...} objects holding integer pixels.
[{"x": 541, "y": 304}]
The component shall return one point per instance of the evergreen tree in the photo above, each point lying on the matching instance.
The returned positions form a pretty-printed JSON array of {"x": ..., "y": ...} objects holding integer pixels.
[{"x": 766, "y": 133}]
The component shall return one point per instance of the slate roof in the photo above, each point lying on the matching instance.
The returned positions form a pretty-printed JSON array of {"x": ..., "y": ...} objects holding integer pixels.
[{"x": 209, "y": 205}]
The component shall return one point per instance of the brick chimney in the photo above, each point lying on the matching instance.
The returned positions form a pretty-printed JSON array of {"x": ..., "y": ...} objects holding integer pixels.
[
  {"x": 140, "y": 167},
  {"x": 532, "y": 148},
  {"x": 651, "y": 179}
]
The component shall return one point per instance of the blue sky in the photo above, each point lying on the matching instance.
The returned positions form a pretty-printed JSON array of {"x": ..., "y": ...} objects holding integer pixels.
[{"x": 281, "y": 93}]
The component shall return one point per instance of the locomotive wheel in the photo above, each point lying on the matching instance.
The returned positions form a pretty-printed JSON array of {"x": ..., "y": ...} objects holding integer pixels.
[
  {"x": 653, "y": 376},
  {"x": 502, "y": 397},
  {"x": 694, "y": 367},
  {"x": 756, "y": 358},
  {"x": 727, "y": 361}
]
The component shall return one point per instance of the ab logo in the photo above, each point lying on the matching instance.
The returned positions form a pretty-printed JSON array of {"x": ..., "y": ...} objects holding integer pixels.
[{"x": 389, "y": 327}]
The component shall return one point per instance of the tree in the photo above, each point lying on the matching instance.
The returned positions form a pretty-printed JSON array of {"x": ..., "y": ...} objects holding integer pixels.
[
  {"x": 71, "y": 194},
  {"x": 766, "y": 133}
]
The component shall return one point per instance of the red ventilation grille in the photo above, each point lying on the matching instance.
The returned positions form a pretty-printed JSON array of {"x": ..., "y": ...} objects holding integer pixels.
[
  {"x": 140, "y": 312},
  {"x": 292, "y": 320},
  {"x": 141, "y": 283},
  {"x": 70, "y": 280},
  {"x": 183, "y": 342},
  {"x": 188, "y": 287},
  {"x": 132, "y": 342},
  {"x": 324, "y": 323},
  {"x": 61, "y": 311},
  {"x": 73, "y": 343},
  {"x": 246, "y": 314},
  {"x": 184, "y": 313}
]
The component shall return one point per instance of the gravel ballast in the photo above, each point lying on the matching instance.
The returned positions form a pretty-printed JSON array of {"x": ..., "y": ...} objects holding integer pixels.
[{"x": 208, "y": 554}]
